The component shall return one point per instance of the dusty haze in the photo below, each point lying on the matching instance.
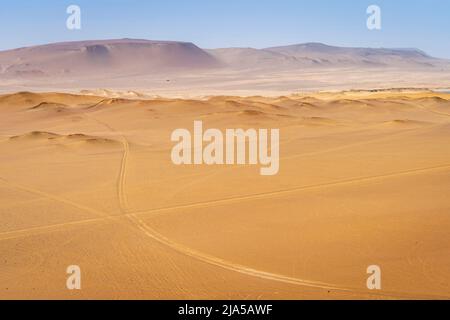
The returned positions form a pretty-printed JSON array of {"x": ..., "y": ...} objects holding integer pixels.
[{"x": 180, "y": 69}]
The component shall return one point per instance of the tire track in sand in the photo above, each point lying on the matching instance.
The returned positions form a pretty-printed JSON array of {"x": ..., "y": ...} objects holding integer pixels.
[
  {"x": 269, "y": 194},
  {"x": 204, "y": 204},
  {"x": 102, "y": 216},
  {"x": 199, "y": 256},
  {"x": 224, "y": 264},
  {"x": 57, "y": 198},
  {"x": 230, "y": 266},
  {"x": 211, "y": 260}
]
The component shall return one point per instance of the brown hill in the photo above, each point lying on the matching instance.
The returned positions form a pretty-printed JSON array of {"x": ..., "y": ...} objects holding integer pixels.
[{"x": 121, "y": 57}]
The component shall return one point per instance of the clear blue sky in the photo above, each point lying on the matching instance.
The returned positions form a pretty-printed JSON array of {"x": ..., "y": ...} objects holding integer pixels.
[{"x": 423, "y": 24}]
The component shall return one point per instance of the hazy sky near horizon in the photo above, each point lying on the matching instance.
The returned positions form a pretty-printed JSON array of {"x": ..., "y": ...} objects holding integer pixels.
[{"x": 422, "y": 24}]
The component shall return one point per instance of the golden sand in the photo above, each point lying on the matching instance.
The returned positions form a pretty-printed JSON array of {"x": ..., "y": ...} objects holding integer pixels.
[{"x": 364, "y": 180}]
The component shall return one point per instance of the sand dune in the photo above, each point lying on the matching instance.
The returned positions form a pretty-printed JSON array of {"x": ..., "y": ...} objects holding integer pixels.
[
  {"x": 35, "y": 135},
  {"x": 363, "y": 180},
  {"x": 74, "y": 140},
  {"x": 49, "y": 106},
  {"x": 406, "y": 123}
]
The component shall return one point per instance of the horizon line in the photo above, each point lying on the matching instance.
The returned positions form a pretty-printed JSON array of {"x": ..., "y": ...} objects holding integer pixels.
[{"x": 217, "y": 48}]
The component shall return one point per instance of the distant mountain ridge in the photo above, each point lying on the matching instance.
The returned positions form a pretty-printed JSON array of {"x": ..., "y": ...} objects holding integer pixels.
[
  {"x": 122, "y": 56},
  {"x": 321, "y": 55},
  {"x": 125, "y": 57}
]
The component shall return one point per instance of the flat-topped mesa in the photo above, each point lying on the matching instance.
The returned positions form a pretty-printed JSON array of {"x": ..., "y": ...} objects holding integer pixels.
[{"x": 96, "y": 57}]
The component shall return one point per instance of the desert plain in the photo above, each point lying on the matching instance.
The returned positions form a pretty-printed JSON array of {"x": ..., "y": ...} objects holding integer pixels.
[{"x": 88, "y": 180}]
